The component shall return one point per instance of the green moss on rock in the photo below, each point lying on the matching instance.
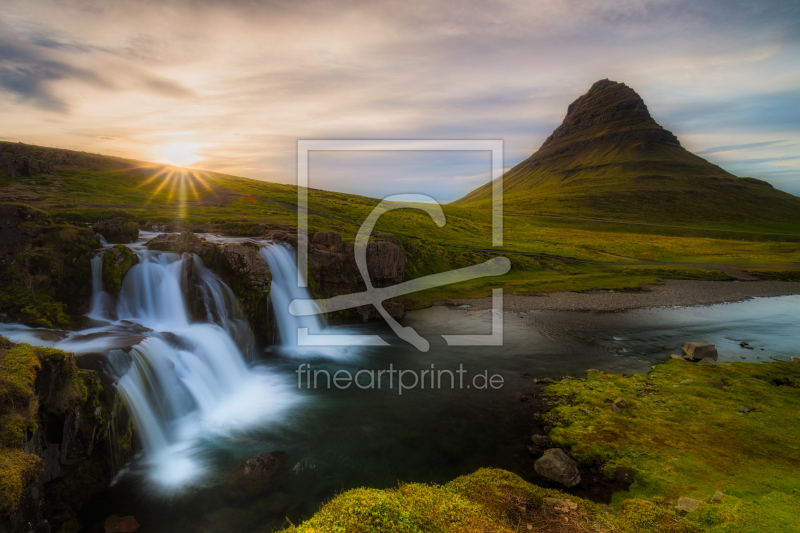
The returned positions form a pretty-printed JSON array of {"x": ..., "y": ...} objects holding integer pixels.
[
  {"x": 17, "y": 469},
  {"x": 117, "y": 261}
]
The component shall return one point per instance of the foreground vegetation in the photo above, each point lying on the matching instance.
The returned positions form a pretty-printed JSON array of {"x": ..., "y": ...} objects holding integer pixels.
[
  {"x": 489, "y": 500},
  {"x": 691, "y": 430},
  {"x": 688, "y": 430}
]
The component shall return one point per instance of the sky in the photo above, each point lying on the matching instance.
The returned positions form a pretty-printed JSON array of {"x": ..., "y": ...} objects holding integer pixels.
[{"x": 231, "y": 85}]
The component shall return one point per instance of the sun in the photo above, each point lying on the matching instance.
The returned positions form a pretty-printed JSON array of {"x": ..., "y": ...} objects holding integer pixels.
[{"x": 178, "y": 154}]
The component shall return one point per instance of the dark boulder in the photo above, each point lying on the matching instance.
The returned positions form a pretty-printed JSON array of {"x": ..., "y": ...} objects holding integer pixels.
[
  {"x": 557, "y": 466},
  {"x": 263, "y": 467}
]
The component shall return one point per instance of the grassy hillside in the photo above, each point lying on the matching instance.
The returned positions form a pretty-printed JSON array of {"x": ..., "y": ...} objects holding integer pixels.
[
  {"x": 561, "y": 254},
  {"x": 609, "y": 159}
]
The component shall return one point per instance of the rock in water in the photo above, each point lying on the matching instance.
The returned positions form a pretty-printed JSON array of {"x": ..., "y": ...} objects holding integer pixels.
[
  {"x": 117, "y": 230},
  {"x": 263, "y": 466},
  {"x": 121, "y": 524},
  {"x": 700, "y": 350},
  {"x": 687, "y": 505},
  {"x": 557, "y": 466}
]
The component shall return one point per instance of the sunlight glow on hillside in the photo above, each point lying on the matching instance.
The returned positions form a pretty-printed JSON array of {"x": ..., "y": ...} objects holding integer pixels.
[{"x": 179, "y": 154}]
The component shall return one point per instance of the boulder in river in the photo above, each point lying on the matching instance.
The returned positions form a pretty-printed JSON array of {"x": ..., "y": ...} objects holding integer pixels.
[
  {"x": 700, "y": 350},
  {"x": 557, "y": 466},
  {"x": 264, "y": 466}
]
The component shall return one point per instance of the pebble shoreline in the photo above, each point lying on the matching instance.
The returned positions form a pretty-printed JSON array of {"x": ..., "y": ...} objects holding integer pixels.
[{"x": 674, "y": 293}]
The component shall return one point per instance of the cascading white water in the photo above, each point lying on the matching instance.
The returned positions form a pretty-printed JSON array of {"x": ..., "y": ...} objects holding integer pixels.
[
  {"x": 283, "y": 265},
  {"x": 187, "y": 380},
  {"x": 102, "y": 302}
]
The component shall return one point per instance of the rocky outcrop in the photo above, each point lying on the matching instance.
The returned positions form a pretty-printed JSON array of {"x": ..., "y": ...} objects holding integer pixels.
[
  {"x": 557, "y": 466},
  {"x": 117, "y": 261},
  {"x": 333, "y": 270},
  {"x": 18, "y": 164},
  {"x": 117, "y": 230},
  {"x": 184, "y": 242},
  {"x": 55, "y": 437}
]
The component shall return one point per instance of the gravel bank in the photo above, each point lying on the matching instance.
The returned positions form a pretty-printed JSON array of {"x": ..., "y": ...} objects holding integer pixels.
[{"x": 680, "y": 293}]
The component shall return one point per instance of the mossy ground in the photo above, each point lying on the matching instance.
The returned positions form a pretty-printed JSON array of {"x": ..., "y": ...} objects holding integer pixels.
[
  {"x": 489, "y": 500},
  {"x": 687, "y": 432}
]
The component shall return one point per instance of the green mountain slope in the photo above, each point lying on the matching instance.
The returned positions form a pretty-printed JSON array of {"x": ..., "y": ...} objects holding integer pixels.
[{"x": 609, "y": 159}]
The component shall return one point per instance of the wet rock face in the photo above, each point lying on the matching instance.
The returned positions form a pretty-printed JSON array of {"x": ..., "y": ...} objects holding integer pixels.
[
  {"x": 117, "y": 230},
  {"x": 243, "y": 259},
  {"x": 557, "y": 466},
  {"x": 333, "y": 270}
]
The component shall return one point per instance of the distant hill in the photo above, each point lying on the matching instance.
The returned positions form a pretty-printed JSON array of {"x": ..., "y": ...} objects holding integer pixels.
[{"x": 610, "y": 159}]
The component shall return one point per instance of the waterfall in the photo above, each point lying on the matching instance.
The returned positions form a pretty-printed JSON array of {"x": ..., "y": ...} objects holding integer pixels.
[
  {"x": 102, "y": 302},
  {"x": 283, "y": 265},
  {"x": 185, "y": 379}
]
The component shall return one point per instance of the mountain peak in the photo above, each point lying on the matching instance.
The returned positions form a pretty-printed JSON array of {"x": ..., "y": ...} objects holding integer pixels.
[{"x": 610, "y": 112}]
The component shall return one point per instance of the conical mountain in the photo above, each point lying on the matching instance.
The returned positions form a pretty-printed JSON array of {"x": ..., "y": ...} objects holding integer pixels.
[{"x": 609, "y": 159}]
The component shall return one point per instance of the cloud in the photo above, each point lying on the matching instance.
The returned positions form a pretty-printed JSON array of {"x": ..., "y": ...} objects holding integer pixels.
[
  {"x": 736, "y": 147},
  {"x": 246, "y": 79}
]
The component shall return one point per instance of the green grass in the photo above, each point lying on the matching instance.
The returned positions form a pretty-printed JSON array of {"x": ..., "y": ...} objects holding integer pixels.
[
  {"x": 151, "y": 193},
  {"x": 686, "y": 437}
]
